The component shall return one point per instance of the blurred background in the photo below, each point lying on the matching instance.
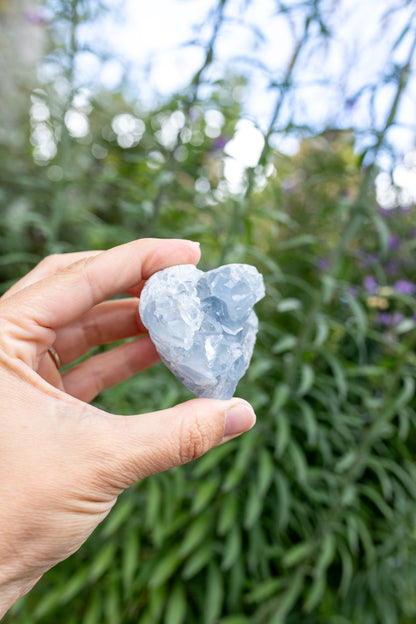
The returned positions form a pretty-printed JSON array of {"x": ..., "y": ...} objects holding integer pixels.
[{"x": 280, "y": 133}]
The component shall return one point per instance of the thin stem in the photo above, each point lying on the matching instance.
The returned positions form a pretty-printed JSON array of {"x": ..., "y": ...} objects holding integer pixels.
[
  {"x": 240, "y": 207},
  {"x": 187, "y": 104},
  {"x": 209, "y": 55}
]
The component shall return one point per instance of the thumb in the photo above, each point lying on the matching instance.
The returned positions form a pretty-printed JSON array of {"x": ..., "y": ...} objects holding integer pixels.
[{"x": 149, "y": 443}]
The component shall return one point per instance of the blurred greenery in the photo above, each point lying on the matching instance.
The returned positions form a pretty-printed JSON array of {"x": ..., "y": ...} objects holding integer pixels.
[{"x": 310, "y": 517}]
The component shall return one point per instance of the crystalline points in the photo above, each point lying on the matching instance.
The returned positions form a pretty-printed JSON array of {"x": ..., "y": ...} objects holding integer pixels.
[{"x": 203, "y": 324}]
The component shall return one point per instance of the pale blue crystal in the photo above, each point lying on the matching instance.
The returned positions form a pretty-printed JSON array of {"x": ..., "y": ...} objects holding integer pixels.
[{"x": 203, "y": 324}]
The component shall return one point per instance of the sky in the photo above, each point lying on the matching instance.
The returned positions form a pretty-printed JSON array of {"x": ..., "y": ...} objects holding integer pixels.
[
  {"x": 141, "y": 35},
  {"x": 155, "y": 32}
]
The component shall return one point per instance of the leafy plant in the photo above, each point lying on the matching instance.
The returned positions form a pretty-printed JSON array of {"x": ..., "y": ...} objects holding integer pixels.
[{"x": 310, "y": 516}]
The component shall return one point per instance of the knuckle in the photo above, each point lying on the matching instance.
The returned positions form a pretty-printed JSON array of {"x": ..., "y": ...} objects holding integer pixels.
[
  {"x": 194, "y": 440},
  {"x": 49, "y": 261},
  {"x": 81, "y": 269},
  {"x": 9, "y": 333},
  {"x": 97, "y": 377},
  {"x": 92, "y": 284},
  {"x": 92, "y": 332}
]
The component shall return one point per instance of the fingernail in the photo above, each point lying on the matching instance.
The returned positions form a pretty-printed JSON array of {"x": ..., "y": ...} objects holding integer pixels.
[
  {"x": 238, "y": 419},
  {"x": 195, "y": 244}
]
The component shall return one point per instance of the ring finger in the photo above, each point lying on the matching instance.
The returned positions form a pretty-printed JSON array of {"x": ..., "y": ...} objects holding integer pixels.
[{"x": 99, "y": 372}]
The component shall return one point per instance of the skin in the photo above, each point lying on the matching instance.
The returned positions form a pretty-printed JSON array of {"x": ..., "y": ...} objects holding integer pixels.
[{"x": 63, "y": 462}]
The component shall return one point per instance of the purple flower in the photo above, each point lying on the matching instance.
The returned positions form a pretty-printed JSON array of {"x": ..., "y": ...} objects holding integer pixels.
[
  {"x": 405, "y": 287},
  {"x": 391, "y": 267},
  {"x": 373, "y": 258},
  {"x": 220, "y": 142},
  {"x": 396, "y": 318},
  {"x": 394, "y": 242},
  {"x": 385, "y": 212},
  {"x": 384, "y": 318},
  {"x": 389, "y": 319},
  {"x": 323, "y": 264},
  {"x": 366, "y": 259},
  {"x": 370, "y": 284}
]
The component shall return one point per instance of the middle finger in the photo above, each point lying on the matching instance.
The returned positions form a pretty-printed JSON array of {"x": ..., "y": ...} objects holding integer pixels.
[{"x": 104, "y": 323}]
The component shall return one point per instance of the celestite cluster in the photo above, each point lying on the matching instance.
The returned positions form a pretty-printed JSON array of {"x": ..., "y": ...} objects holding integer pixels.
[{"x": 203, "y": 324}]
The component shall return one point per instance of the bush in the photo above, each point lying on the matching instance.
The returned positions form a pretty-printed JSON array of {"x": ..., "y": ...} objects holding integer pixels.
[{"x": 310, "y": 516}]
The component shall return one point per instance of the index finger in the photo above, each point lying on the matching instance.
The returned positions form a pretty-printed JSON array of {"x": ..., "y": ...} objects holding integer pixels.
[
  {"x": 47, "y": 267},
  {"x": 59, "y": 299}
]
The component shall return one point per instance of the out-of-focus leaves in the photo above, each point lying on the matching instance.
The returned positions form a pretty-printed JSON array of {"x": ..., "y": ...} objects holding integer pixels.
[
  {"x": 254, "y": 506},
  {"x": 309, "y": 517},
  {"x": 284, "y": 499},
  {"x": 93, "y": 612},
  {"x": 298, "y": 553},
  {"x": 195, "y": 534},
  {"x": 265, "y": 590},
  {"x": 205, "y": 492},
  {"x": 130, "y": 561},
  {"x": 232, "y": 548},
  {"x": 289, "y": 305},
  {"x": 214, "y": 594},
  {"x": 307, "y": 377},
  {"x": 211, "y": 460},
  {"x": 103, "y": 561},
  {"x": 118, "y": 516},
  {"x": 282, "y": 433},
  {"x": 286, "y": 343},
  {"x": 228, "y": 513},
  {"x": 176, "y": 606},
  {"x": 198, "y": 560},
  {"x": 289, "y": 597},
  {"x": 347, "y": 569},
  {"x": 166, "y": 567},
  {"x": 112, "y": 605}
]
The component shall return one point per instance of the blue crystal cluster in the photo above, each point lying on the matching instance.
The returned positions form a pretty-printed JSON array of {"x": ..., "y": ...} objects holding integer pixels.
[{"x": 203, "y": 324}]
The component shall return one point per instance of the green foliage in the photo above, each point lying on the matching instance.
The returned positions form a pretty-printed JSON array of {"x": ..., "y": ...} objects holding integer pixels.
[{"x": 310, "y": 516}]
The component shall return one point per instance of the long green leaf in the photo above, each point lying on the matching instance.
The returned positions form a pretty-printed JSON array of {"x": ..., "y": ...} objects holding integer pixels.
[
  {"x": 166, "y": 567},
  {"x": 214, "y": 594},
  {"x": 176, "y": 605}
]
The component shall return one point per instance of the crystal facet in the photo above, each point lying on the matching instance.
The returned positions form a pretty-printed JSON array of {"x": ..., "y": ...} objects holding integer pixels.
[{"x": 203, "y": 324}]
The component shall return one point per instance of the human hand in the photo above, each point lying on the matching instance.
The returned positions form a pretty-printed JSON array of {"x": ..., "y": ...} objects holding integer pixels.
[{"x": 63, "y": 462}]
